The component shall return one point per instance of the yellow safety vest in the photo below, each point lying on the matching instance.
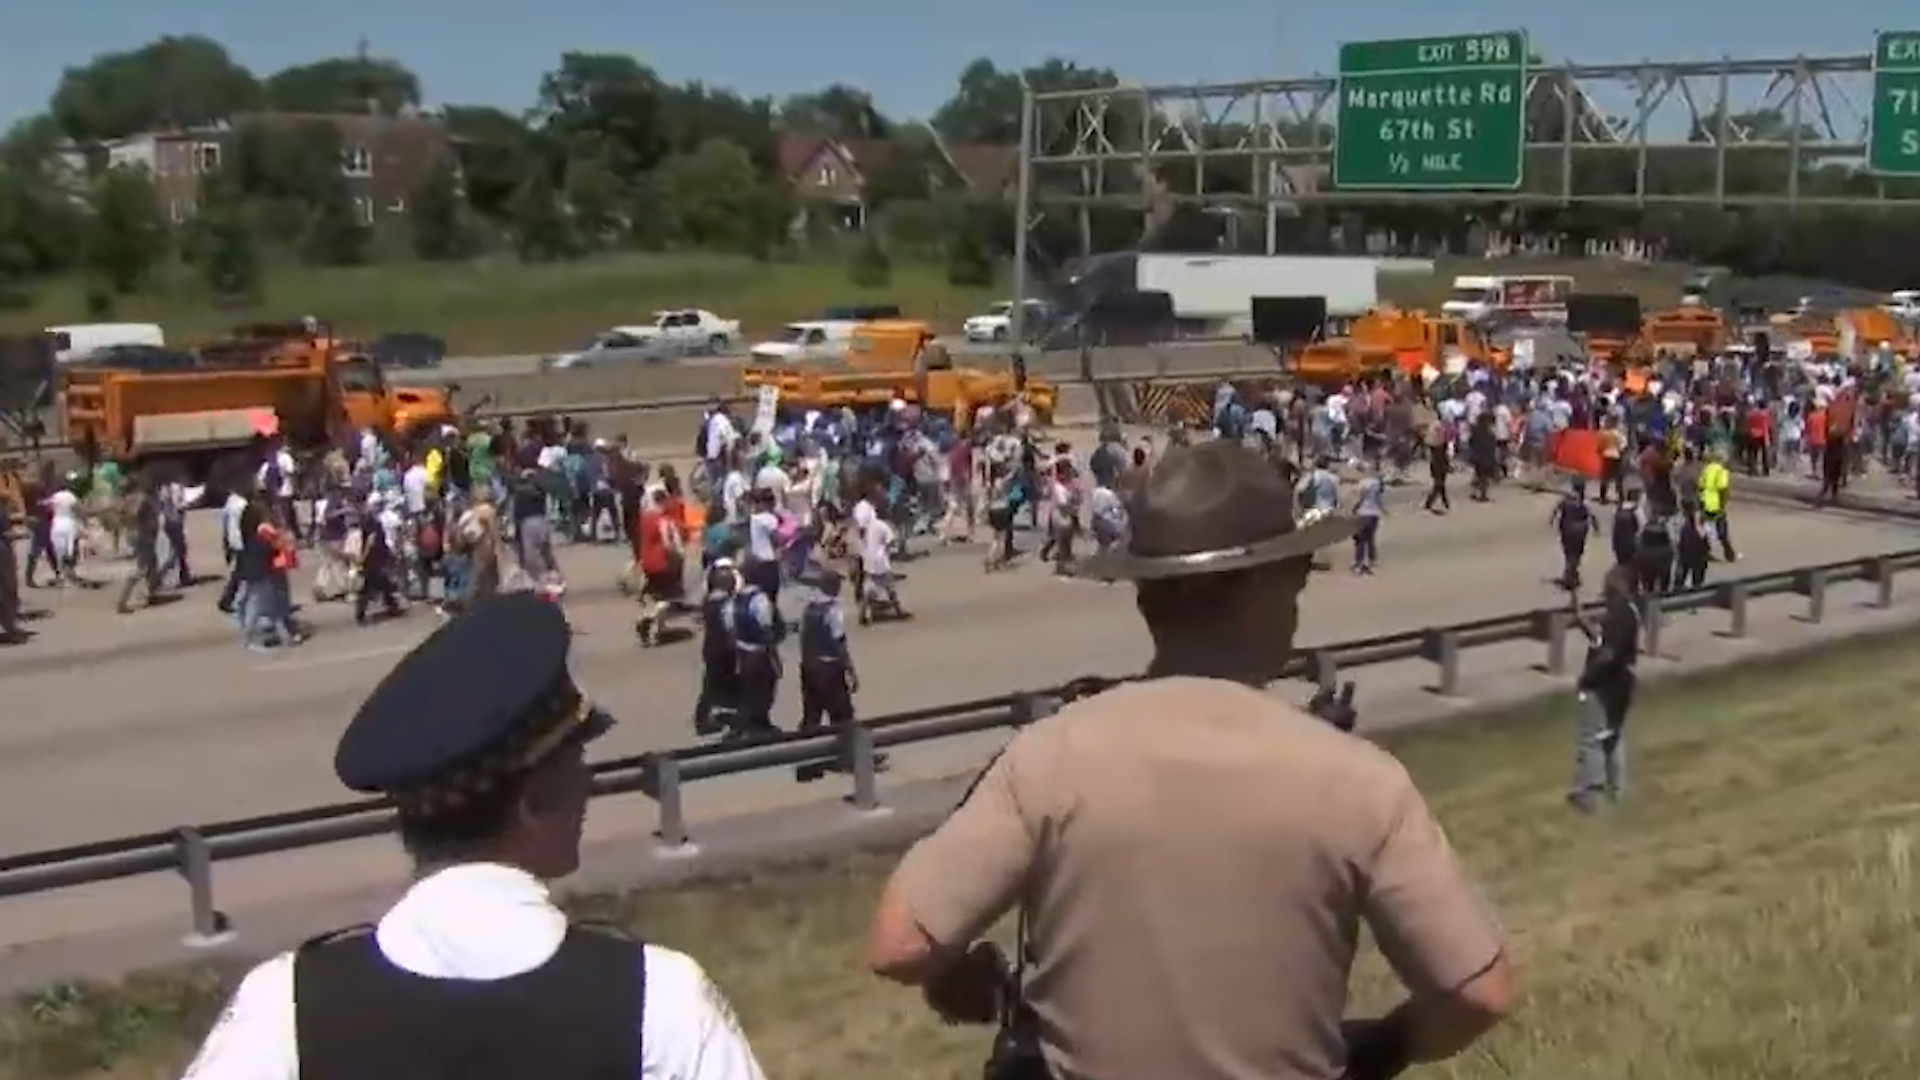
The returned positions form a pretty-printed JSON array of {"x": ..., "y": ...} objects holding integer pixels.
[{"x": 1713, "y": 487}]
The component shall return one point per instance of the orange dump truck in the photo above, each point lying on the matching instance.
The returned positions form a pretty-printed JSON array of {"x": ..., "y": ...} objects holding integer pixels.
[
  {"x": 1407, "y": 341},
  {"x": 306, "y": 387},
  {"x": 1871, "y": 327},
  {"x": 1697, "y": 331},
  {"x": 898, "y": 358}
]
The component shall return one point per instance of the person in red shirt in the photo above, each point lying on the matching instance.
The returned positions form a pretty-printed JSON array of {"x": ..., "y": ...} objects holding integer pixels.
[
  {"x": 1759, "y": 442},
  {"x": 660, "y": 549}
]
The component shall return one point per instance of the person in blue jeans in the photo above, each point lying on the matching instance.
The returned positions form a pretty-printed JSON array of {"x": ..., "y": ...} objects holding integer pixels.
[{"x": 1369, "y": 506}]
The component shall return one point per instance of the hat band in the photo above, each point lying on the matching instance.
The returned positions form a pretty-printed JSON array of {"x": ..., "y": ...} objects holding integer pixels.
[
  {"x": 550, "y": 739},
  {"x": 565, "y": 714},
  {"x": 1200, "y": 560}
]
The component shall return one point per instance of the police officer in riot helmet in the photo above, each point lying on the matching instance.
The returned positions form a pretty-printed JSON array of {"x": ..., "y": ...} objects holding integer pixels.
[{"x": 1184, "y": 847}]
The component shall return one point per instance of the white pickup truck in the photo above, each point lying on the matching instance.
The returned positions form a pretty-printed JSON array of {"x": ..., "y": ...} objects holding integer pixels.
[
  {"x": 692, "y": 329},
  {"x": 1903, "y": 304},
  {"x": 806, "y": 341}
]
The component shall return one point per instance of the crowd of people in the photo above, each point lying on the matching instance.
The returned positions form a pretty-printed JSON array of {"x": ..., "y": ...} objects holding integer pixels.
[
  {"x": 453, "y": 515},
  {"x": 1307, "y": 827}
]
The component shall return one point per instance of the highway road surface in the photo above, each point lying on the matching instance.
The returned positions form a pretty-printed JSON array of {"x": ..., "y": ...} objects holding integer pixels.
[{"x": 124, "y": 724}]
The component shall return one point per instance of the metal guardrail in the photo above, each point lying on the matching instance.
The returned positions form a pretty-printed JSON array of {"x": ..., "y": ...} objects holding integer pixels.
[
  {"x": 192, "y": 850},
  {"x": 698, "y": 401}
]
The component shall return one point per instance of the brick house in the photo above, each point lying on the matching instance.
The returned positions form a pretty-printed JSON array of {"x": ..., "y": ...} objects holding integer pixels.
[
  {"x": 830, "y": 175},
  {"x": 383, "y": 158}
]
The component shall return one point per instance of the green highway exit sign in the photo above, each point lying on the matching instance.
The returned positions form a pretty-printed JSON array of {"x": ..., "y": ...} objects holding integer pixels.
[
  {"x": 1893, "y": 142},
  {"x": 1432, "y": 114}
]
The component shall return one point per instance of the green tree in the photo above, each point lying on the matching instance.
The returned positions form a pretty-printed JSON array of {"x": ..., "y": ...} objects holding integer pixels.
[
  {"x": 969, "y": 262},
  {"x": 126, "y": 237},
  {"x": 607, "y": 103},
  {"x": 18, "y": 264},
  {"x": 344, "y": 84},
  {"x": 839, "y": 111},
  {"x": 440, "y": 230},
  {"x": 598, "y": 200},
  {"x": 497, "y": 149},
  {"x": 713, "y": 198},
  {"x": 172, "y": 82},
  {"x": 40, "y": 220},
  {"x": 219, "y": 241},
  {"x": 339, "y": 232},
  {"x": 540, "y": 231},
  {"x": 872, "y": 268}
]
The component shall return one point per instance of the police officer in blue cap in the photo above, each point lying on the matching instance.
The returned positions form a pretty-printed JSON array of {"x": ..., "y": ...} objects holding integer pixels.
[
  {"x": 719, "y": 669},
  {"x": 479, "y": 738},
  {"x": 827, "y": 678},
  {"x": 753, "y": 622}
]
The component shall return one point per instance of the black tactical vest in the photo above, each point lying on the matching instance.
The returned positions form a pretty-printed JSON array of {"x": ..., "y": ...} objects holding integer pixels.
[
  {"x": 818, "y": 645},
  {"x": 716, "y": 645},
  {"x": 358, "y": 1016}
]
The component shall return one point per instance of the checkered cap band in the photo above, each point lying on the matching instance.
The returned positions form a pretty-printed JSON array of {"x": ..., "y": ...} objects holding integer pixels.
[{"x": 546, "y": 727}]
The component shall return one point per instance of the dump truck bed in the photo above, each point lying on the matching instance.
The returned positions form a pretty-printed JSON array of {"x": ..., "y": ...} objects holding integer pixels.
[{"x": 133, "y": 413}]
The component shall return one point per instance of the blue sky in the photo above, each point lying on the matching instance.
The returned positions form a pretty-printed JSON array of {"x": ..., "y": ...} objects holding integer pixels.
[{"x": 908, "y": 58}]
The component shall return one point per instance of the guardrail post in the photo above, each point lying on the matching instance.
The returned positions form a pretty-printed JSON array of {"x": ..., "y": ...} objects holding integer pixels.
[
  {"x": 663, "y": 774},
  {"x": 1881, "y": 572},
  {"x": 210, "y": 928},
  {"x": 1031, "y": 707},
  {"x": 1813, "y": 584},
  {"x": 1443, "y": 648},
  {"x": 856, "y": 740},
  {"x": 1326, "y": 672},
  {"x": 1653, "y": 616},
  {"x": 1554, "y": 629},
  {"x": 1733, "y": 597}
]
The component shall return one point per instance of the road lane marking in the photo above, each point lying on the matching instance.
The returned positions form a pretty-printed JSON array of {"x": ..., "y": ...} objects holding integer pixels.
[{"x": 294, "y": 661}]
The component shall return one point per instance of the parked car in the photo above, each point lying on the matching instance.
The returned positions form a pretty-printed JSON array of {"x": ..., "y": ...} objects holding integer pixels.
[
  {"x": 693, "y": 329},
  {"x": 408, "y": 349},
  {"x": 806, "y": 341},
  {"x": 620, "y": 345},
  {"x": 996, "y": 324}
]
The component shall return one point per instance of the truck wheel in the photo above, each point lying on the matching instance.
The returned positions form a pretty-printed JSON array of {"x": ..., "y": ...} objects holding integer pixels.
[
  {"x": 718, "y": 343},
  {"x": 1000, "y": 333}
]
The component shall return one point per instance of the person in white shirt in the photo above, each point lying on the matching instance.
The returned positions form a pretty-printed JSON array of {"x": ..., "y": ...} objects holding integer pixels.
[
  {"x": 719, "y": 435},
  {"x": 479, "y": 737},
  {"x": 771, "y": 478},
  {"x": 733, "y": 494},
  {"x": 230, "y": 543},
  {"x": 276, "y": 481},
  {"x": 64, "y": 508},
  {"x": 417, "y": 487},
  {"x": 877, "y": 590}
]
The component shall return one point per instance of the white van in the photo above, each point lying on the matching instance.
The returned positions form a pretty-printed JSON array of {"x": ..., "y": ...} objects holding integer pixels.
[
  {"x": 1542, "y": 296},
  {"x": 83, "y": 341},
  {"x": 806, "y": 341}
]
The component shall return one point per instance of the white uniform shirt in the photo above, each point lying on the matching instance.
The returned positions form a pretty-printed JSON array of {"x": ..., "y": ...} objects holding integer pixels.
[
  {"x": 282, "y": 461},
  {"x": 484, "y": 921},
  {"x": 416, "y": 485}
]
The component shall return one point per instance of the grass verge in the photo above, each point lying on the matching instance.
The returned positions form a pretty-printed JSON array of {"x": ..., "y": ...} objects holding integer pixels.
[
  {"x": 499, "y": 307},
  {"x": 1749, "y": 913}
]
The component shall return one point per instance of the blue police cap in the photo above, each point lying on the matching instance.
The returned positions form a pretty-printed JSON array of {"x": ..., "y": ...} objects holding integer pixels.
[{"x": 483, "y": 700}]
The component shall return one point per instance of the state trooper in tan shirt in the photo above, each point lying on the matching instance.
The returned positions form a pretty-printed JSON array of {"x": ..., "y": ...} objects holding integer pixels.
[{"x": 1196, "y": 856}]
